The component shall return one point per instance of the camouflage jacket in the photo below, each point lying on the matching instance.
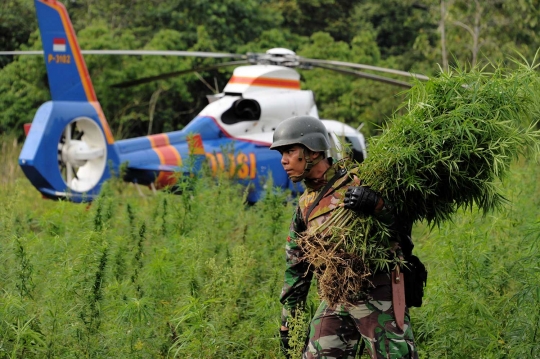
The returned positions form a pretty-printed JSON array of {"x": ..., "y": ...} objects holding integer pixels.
[{"x": 298, "y": 274}]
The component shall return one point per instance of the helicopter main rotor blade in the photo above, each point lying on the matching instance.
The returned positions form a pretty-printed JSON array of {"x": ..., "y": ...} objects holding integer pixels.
[
  {"x": 139, "y": 52},
  {"x": 21, "y": 52},
  {"x": 366, "y": 76},
  {"x": 254, "y": 58},
  {"x": 353, "y": 65},
  {"x": 175, "y": 73}
]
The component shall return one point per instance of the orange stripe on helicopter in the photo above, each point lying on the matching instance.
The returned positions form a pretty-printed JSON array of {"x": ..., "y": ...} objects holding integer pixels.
[
  {"x": 196, "y": 145},
  {"x": 159, "y": 139},
  {"x": 265, "y": 82},
  {"x": 168, "y": 155},
  {"x": 166, "y": 179},
  {"x": 81, "y": 66}
]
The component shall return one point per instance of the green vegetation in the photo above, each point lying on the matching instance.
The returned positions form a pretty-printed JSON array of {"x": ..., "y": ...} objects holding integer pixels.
[
  {"x": 483, "y": 294},
  {"x": 198, "y": 275},
  {"x": 461, "y": 133}
]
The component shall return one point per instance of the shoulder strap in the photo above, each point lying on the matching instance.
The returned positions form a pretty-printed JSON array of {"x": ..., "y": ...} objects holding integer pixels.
[{"x": 340, "y": 173}]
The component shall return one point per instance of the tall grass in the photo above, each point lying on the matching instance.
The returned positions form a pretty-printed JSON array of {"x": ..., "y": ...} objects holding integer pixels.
[
  {"x": 483, "y": 294},
  {"x": 198, "y": 275},
  {"x": 192, "y": 276},
  {"x": 9, "y": 150}
]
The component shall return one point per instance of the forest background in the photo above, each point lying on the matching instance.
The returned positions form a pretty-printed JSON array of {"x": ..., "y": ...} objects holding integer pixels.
[
  {"x": 410, "y": 35},
  {"x": 199, "y": 276}
]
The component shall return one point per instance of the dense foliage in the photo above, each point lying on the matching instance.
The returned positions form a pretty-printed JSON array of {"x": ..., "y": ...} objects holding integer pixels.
[
  {"x": 461, "y": 133},
  {"x": 198, "y": 275},
  {"x": 191, "y": 276},
  {"x": 408, "y": 35}
]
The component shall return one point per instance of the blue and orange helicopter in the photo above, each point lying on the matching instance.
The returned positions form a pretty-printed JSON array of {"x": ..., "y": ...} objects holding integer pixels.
[{"x": 69, "y": 151}]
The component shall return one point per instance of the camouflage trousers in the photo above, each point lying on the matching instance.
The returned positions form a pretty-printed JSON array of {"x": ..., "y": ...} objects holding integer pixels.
[{"x": 339, "y": 332}]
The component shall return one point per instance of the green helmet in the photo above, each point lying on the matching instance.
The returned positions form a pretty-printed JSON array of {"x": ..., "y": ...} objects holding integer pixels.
[{"x": 301, "y": 130}]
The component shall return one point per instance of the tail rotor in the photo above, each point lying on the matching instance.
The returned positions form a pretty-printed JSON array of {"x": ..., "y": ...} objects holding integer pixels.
[{"x": 82, "y": 154}]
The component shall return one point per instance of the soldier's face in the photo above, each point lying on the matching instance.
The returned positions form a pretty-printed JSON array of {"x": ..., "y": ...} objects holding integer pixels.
[{"x": 293, "y": 160}]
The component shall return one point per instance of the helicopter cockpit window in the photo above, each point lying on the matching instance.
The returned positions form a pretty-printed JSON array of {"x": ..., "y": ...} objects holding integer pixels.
[
  {"x": 355, "y": 147},
  {"x": 242, "y": 110}
]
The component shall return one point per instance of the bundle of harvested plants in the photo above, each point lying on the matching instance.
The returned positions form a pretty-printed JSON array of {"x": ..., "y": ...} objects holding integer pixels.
[
  {"x": 344, "y": 253},
  {"x": 458, "y": 138}
]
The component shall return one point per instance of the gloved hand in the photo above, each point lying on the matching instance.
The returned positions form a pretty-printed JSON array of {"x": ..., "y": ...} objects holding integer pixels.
[
  {"x": 361, "y": 199},
  {"x": 284, "y": 336}
]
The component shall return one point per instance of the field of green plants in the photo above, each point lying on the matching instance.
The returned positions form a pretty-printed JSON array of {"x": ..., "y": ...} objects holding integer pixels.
[{"x": 198, "y": 275}]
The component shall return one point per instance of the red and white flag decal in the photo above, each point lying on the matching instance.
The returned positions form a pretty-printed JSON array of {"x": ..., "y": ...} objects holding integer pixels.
[{"x": 59, "y": 44}]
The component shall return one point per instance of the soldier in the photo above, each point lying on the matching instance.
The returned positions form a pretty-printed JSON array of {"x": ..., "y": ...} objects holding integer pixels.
[{"x": 339, "y": 331}]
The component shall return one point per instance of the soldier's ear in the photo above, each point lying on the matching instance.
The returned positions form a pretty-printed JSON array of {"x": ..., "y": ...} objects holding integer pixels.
[{"x": 314, "y": 155}]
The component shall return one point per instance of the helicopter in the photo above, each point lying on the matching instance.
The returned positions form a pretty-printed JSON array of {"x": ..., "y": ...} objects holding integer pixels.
[{"x": 69, "y": 151}]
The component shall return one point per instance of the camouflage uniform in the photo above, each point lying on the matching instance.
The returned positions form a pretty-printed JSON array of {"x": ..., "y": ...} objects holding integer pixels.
[{"x": 338, "y": 332}]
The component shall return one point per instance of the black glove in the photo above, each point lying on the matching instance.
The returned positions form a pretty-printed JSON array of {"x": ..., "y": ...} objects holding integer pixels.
[
  {"x": 284, "y": 336},
  {"x": 361, "y": 199}
]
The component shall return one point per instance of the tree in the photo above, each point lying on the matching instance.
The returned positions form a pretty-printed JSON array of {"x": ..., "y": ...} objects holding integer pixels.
[
  {"x": 397, "y": 25},
  {"x": 484, "y": 31},
  {"x": 306, "y": 17},
  {"x": 17, "y": 22},
  {"x": 23, "y": 88},
  {"x": 344, "y": 97}
]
